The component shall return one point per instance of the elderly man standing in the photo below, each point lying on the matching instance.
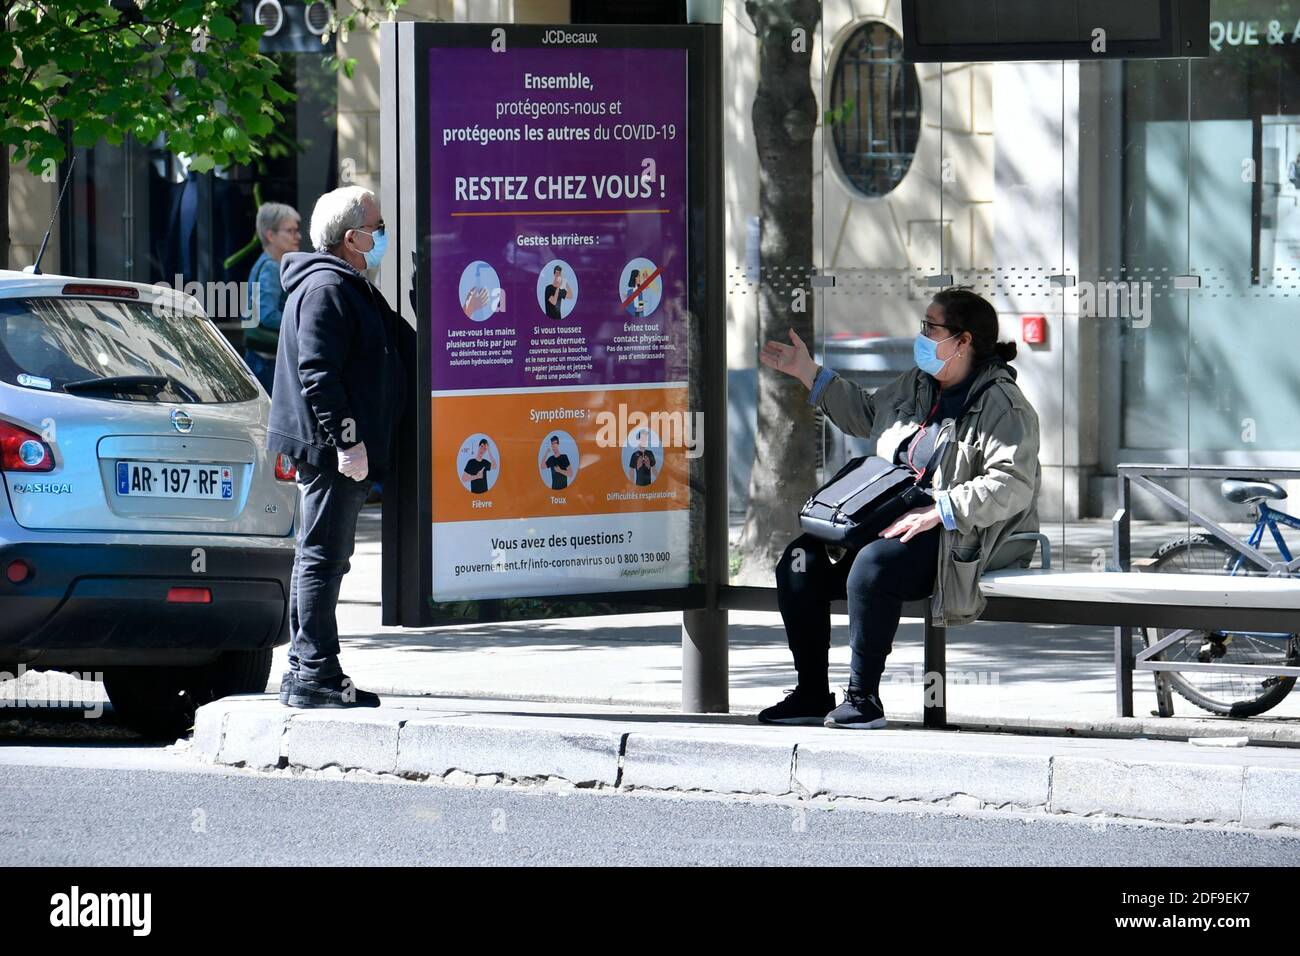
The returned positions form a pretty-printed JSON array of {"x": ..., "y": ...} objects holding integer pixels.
[
  {"x": 278, "y": 228},
  {"x": 338, "y": 394}
]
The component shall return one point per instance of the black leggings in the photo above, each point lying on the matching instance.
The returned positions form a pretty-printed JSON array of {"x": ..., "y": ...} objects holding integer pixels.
[{"x": 876, "y": 580}]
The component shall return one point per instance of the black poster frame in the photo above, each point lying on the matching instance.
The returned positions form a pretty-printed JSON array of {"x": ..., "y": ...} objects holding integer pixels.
[{"x": 405, "y": 147}]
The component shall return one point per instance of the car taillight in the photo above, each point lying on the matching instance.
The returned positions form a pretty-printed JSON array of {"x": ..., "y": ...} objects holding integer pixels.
[
  {"x": 21, "y": 450},
  {"x": 108, "y": 291},
  {"x": 285, "y": 469},
  {"x": 189, "y": 596},
  {"x": 18, "y": 571}
]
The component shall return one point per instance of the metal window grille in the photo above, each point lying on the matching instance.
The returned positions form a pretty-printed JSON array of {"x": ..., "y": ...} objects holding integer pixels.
[{"x": 875, "y": 109}]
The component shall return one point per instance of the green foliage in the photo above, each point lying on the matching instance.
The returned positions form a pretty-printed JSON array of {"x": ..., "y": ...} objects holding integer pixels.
[
  {"x": 837, "y": 115},
  {"x": 342, "y": 24},
  {"x": 358, "y": 14},
  {"x": 183, "y": 68}
]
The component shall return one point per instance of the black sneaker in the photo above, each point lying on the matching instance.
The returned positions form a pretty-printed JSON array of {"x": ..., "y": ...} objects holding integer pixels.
[
  {"x": 799, "y": 707},
  {"x": 339, "y": 692},
  {"x": 858, "y": 712},
  {"x": 285, "y": 683}
]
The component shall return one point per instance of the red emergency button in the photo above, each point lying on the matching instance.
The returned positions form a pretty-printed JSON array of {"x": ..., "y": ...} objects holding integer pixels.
[{"x": 1033, "y": 329}]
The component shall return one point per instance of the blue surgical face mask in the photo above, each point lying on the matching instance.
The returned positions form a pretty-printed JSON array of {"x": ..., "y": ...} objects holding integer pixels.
[
  {"x": 925, "y": 353},
  {"x": 377, "y": 250}
]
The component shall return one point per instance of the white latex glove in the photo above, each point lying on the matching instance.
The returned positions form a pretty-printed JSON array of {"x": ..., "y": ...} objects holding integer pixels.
[{"x": 353, "y": 463}]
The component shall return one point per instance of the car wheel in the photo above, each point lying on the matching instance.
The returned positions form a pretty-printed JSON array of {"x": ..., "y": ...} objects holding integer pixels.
[{"x": 161, "y": 701}]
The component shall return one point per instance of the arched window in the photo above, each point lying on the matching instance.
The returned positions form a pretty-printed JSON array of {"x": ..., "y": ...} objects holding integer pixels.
[{"x": 874, "y": 112}]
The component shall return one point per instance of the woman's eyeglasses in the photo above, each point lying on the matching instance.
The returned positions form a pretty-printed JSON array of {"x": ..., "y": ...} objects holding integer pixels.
[{"x": 928, "y": 328}]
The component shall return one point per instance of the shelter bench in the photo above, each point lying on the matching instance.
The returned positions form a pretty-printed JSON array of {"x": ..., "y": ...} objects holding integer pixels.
[{"x": 1123, "y": 600}]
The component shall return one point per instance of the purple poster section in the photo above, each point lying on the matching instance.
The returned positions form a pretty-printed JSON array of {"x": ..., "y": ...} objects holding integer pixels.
[{"x": 558, "y": 184}]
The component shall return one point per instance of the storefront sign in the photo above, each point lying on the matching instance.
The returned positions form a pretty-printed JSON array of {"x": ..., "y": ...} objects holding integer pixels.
[{"x": 1231, "y": 33}]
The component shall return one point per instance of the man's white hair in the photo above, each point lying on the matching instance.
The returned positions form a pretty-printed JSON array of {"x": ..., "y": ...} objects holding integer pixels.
[{"x": 335, "y": 213}]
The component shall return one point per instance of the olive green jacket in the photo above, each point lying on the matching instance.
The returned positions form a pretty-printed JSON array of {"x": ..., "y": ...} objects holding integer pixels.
[{"x": 990, "y": 472}]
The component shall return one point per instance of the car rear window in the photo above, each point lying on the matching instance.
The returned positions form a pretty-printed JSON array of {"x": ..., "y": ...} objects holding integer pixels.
[{"x": 49, "y": 342}]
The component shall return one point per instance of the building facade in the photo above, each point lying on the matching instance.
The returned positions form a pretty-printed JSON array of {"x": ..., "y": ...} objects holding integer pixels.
[{"x": 1075, "y": 195}]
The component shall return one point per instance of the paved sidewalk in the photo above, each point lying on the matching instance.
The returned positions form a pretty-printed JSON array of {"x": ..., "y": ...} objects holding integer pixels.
[
  {"x": 1041, "y": 678},
  {"x": 480, "y": 743},
  {"x": 593, "y": 702},
  {"x": 1005, "y": 675}
]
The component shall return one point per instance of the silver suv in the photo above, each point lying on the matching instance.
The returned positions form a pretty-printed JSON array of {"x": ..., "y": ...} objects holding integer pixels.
[{"x": 145, "y": 530}]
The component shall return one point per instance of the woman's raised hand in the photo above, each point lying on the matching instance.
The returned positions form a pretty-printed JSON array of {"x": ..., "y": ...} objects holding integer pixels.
[{"x": 792, "y": 359}]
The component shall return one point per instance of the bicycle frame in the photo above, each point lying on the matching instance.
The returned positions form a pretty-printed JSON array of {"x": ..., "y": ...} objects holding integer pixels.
[
  {"x": 1141, "y": 476},
  {"x": 1269, "y": 518},
  {"x": 1144, "y": 476}
]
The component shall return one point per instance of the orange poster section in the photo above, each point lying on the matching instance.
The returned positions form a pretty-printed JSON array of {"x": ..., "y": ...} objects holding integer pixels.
[{"x": 520, "y": 426}]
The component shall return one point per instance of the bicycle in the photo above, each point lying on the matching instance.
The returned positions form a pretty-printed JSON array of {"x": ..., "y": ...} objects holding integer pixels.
[{"x": 1233, "y": 695}]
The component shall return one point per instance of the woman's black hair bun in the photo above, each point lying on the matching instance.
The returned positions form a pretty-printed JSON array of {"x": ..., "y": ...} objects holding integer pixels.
[{"x": 1006, "y": 351}]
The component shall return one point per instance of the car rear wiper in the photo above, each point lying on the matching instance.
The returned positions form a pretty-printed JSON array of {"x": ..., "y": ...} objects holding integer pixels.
[{"x": 139, "y": 384}]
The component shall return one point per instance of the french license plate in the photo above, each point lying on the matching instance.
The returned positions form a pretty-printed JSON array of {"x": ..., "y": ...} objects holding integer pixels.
[{"x": 161, "y": 479}]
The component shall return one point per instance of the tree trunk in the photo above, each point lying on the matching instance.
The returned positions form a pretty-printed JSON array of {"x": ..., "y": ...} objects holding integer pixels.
[
  {"x": 4, "y": 170},
  {"x": 4, "y": 207},
  {"x": 784, "y": 118}
]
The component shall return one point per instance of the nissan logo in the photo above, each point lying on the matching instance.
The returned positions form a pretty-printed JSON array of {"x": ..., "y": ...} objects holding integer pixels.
[{"x": 181, "y": 422}]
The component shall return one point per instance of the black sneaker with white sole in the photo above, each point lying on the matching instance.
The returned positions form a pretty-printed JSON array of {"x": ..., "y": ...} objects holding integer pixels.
[
  {"x": 338, "y": 692},
  {"x": 799, "y": 708},
  {"x": 858, "y": 712}
]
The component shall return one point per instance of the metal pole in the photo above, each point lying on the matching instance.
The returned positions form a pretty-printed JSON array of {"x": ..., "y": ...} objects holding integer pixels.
[
  {"x": 934, "y": 714},
  {"x": 704, "y": 662},
  {"x": 1124, "y": 672},
  {"x": 1121, "y": 526},
  {"x": 704, "y": 630}
]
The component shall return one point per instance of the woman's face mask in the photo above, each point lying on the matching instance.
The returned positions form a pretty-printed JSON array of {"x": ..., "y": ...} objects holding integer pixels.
[{"x": 925, "y": 352}]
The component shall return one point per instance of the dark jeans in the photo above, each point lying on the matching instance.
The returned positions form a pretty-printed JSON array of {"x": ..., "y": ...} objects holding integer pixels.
[
  {"x": 327, "y": 527},
  {"x": 876, "y": 580}
]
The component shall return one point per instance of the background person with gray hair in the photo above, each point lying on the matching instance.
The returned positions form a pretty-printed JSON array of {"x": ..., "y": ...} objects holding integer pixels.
[
  {"x": 278, "y": 226},
  {"x": 339, "y": 384}
]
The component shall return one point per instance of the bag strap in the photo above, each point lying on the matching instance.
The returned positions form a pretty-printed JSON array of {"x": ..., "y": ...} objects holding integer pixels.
[{"x": 923, "y": 479}]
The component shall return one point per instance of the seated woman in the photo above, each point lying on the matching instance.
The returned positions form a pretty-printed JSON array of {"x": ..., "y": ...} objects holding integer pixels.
[{"x": 985, "y": 487}]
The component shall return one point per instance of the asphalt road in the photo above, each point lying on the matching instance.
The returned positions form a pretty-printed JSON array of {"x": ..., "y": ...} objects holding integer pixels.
[{"x": 129, "y": 804}]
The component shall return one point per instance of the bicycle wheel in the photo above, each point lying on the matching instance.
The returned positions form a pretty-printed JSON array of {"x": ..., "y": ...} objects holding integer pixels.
[{"x": 1234, "y": 695}]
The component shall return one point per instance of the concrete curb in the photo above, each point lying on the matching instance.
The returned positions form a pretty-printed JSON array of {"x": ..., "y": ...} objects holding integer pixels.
[
  {"x": 1271, "y": 731},
  {"x": 436, "y": 747},
  {"x": 994, "y": 780},
  {"x": 660, "y": 762},
  {"x": 1161, "y": 781}
]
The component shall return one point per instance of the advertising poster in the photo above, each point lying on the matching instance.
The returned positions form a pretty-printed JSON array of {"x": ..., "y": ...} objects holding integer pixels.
[
  {"x": 561, "y": 436},
  {"x": 1280, "y": 222}
]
